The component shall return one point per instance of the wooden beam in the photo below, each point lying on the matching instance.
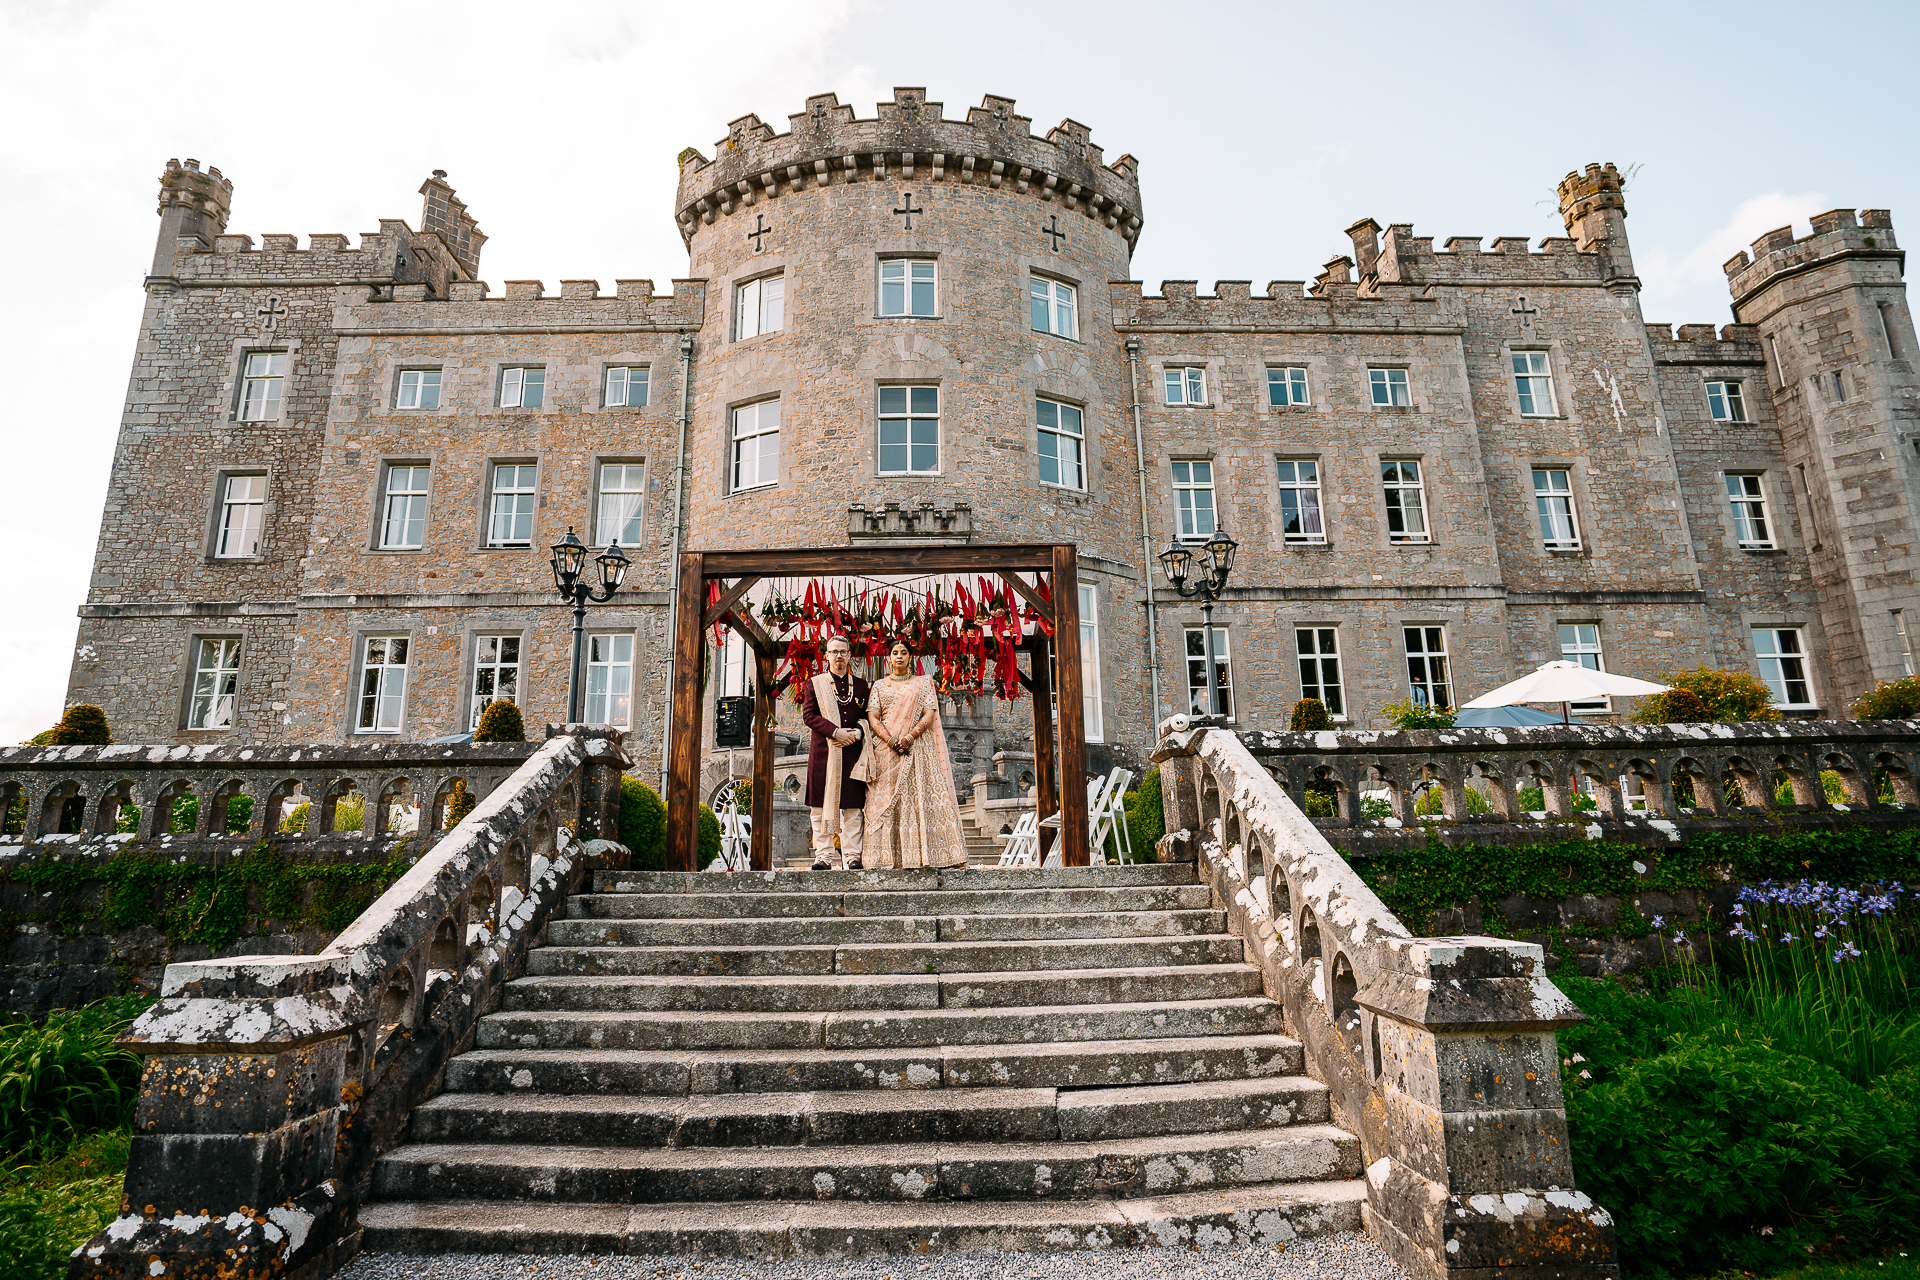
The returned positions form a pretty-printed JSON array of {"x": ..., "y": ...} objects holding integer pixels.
[
  {"x": 728, "y": 598},
  {"x": 1073, "y": 729},
  {"x": 1046, "y": 794},
  {"x": 683, "y": 760},
  {"x": 764, "y": 692},
  {"x": 757, "y": 638},
  {"x": 879, "y": 560},
  {"x": 1031, "y": 596}
]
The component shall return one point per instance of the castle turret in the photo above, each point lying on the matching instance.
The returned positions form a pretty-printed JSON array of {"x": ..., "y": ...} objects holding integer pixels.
[
  {"x": 1595, "y": 211},
  {"x": 193, "y": 205}
]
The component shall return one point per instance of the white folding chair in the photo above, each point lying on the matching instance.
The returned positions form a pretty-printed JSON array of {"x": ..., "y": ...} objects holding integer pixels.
[
  {"x": 1023, "y": 843},
  {"x": 1099, "y": 819},
  {"x": 1116, "y": 815}
]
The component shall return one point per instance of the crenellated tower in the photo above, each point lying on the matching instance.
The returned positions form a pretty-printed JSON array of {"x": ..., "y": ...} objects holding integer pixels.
[{"x": 193, "y": 207}]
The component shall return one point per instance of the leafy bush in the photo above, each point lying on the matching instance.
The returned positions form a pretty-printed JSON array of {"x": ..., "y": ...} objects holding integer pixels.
[
  {"x": 709, "y": 838},
  {"x": 643, "y": 824},
  {"x": 56, "y": 1200},
  {"x": 1727, "y": 696},
  {"x": 296, "y": 819},
  {"x": 1323, "y": 800},
  {"x": 66, "y": 1076},
  {"x": 350, "y": 812},
  {"x": 460, "y": 802},
  {"x": 1432, "y": 801},
  {"x": 1146, "y": 816},
  {"x": 1410, "y": 714},
  {"x": 84, "y": 725},
  {"x": 1890, "y": 700},
  {"x": 1682, "y": 706},
  {"x": 501, "y": 722},
  {"x": 1310, "y": 716}
]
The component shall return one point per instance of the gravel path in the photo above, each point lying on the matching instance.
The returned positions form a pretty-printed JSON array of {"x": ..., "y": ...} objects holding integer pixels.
[{"x": 1345, "y": 1256}]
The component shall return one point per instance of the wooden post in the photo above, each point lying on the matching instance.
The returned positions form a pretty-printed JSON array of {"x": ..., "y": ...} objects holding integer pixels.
[
  {"x": 1046, "y": 796},
  {"x": 683, "y": 760},
  {"x": 763, "y": 696},
  {"x": 1073, "y": 730}
]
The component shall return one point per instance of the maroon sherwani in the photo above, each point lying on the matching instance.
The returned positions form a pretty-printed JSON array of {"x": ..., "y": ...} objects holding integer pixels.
[{"x": 851, "y": 693}]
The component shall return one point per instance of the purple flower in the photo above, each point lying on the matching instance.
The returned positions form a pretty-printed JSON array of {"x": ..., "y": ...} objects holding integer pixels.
[{"x": 1659, "y": 922}]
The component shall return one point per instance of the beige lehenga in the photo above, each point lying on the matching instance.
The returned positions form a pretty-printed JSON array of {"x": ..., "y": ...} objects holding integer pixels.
[{"x": 912, "y": 817}]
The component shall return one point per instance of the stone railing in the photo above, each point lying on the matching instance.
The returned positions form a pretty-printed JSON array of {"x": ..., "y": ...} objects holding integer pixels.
[
  {"x": 1439, "y": 1053},
  {"x": 271, "y": 1083}
]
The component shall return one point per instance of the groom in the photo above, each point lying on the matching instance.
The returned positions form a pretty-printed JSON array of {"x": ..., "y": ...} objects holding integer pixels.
[{"x": 833, "y": 704}]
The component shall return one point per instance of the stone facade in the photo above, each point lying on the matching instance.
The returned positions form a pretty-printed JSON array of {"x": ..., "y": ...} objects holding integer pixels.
[{"x": 1656, "y": 569}]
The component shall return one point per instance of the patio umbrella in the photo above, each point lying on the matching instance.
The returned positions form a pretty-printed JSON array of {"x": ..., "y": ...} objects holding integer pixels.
[
  {"x": 1564, "y": 682},
  {"x": 1502, "y": 718}
]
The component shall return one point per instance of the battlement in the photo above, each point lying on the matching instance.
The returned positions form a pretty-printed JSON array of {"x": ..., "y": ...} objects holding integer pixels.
[
  {"x": 382, "y": 257},
  {"x": 1700, "y": 344},
  {"x": 208, "y": 194},
  {"x": 446, "y": 216},
  {"x": 1836, "y": 234},
  {"x": 1400, "y": 257},
  {"x": 1584, "y": 194},
  {"x": 524, "y": 304},
  {"x": 909, "y": 139},
  {"x": 1333, "y": 305}
]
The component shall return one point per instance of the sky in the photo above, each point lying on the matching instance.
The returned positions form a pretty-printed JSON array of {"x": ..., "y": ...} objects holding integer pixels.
[{"x": 1262, "y": 130}]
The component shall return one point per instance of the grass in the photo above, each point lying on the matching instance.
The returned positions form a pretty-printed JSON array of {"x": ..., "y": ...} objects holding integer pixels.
[{"x": 54, "y": 1197}]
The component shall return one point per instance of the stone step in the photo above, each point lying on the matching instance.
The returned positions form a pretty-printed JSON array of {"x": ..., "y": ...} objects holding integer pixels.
[
  {"x": 763, "y": 931},
  {"x": 871, "y": 958},
  {"x": 738, "y": 882},
  {"x": 1216, "y": 979},
  {"x": 1068, "y": 1065},
  {"x": 873, "y": 1030},
  {"x": 881, "y": 1172},
  {"x": 1265, "y": 1215},
  {"x": 808, "y": 903}
]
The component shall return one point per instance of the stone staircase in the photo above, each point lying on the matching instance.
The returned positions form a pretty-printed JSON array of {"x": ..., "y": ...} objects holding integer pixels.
[
  {"x": 847, "y": 1064},
  {"x": 982, "y": 848}
]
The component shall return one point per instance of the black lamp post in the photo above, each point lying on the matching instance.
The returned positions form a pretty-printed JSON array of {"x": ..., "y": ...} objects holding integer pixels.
[
  {"x": 569, "y": 558},
  {"x": 1216, "y": 562}
]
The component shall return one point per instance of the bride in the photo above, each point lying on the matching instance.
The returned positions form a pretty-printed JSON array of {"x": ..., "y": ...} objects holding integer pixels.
[{"x": 912, "y": 818}]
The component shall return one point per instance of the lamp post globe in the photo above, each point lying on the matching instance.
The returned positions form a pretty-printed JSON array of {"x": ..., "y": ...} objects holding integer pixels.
[{"x": 569, "y": 559}]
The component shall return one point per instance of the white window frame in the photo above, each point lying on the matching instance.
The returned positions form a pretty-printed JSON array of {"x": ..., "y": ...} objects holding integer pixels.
[
  {"x": 494, "y": 666},
  {"x": 513, "y": 497},
  {"x": 759, "y": 306},
  {"x": 214, "y": 697},
  {"x": 907, "y": 279},
  {"x": 1195, "y": 513},
  {"x": 1584, "y": 646},
  {"x": 262, "y": 382},
  {"x": 410, "y": 503},
  {"x": 1287, "y": 385},
  {"x": 761, "y": 470},
  {"x": 1726, "y": 402},
  {"x": 1197, "y": 671},
  {"x": 622, "y": 504},
  {"x": 1091, "y": 713},
  {"x": 628, "y": 386},
  {"x": 523, "y": 386},
  {"x": 417, "y": 389},
  {"x": 609, "y": 678},
  {"x": 1533, "y": 384},
  {"x": 1782, "y": 659},
  {"x": 735, "y": 666},
  {"x": 1554, "y": 509},
  {"x": 1053, "y": 306},
  {"x": 1064, "y": 441},
  {"x": 1184, "y": 384},
  {"x": 243, "y": 508},
  {"x": 1317, "y": 651},
  {"x": 1389, "y": 388},
  {"x": 1747, "y": 500},
  {"x": 1429, "y": 667},
  {"x": 912, "y": 414},
  {"x": 1899, "y": 618},
  {"x": 382, "y": 701},
  {"x": 1300, "y": 478},
  {"x": 1405, "y": 497}
]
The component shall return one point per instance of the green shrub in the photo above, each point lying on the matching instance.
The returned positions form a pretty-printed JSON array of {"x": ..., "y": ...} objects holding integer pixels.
[
  {"x": 1323, "y": 800},
  {"x": 83, "y": 725},
  {"x": 1146, "y": 816},
  {"x": 296, "y": 819},
  {"x": 1890, "y": 700},
  {"x": 58, "y": 1199},
  {"x": 1682, "y": 706},
  {"x": 1310, "y": 716},
  {"x": 501, "y": 722},
  {"x": 460, "y": 802},
  {"x": 66, "y": 1076},
  {"x": 709, "y": 838},
  {"x": 1409, "y": 714},
  {"x": 1727, "y": 696},
  {"x": 1431, "y": 802},
  {"x": 185, "y": 815},
  {"x": 350, "y": 812},
  {"x": 643, "y": 824}
]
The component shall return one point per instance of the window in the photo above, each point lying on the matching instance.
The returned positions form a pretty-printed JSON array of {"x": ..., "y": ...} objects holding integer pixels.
[
  {"x": 1287, "y": 384},
  {"x": 1839, "y": 389},
  {"x": 1534, "y": 381},
  {"x": 627, "y": 386},
  {"x": 1406, "y": 505},
  {"x": 1319, "y": 651},
  {"x": 243, "y": 508},
  {"x": 1900, "y": 638},
  {"x": 510, "y": 517},
  {"x": 1186, "y": 385},
  {"x": 1193, "y": 494},
  {"x": 1389, "y": 387},
  {"x": 383, "y": 684},
  {"x": 906, "y": 287},
  {"x": 756, "y": 445},
  {"x": 1427, "y": 666},
  {"x": 736, "y": 664},
  {"x": 1053, "y": 308},
  {"x": 1300, "y": 501},
  {"x": 610, "y": 680},
  {"x": 260, "y": 387},
  {"x": 1783, "y": 665},
  {"x": 1197, "y": 673},
  {"x": 1090, "y": 664},
  {"x": 216, "y": 685},
  {"x": 758, "y": 306},
  {"x": 1061, "y": 441},
  {"x": 623, "y": 491},
  {"x": 496, "y": 673},
  {"x": 419, "y": 389},
  {"x": 1580, "y": 642},
  {"x": 522, "y": 388},
  {"x": 1749, "y": 501},
  {"x": 1553, "y": 501},
  {"x": 909, "y": 431},
  {"x": 404, "y": 524},
  {"x": 1725, "y": 402}
]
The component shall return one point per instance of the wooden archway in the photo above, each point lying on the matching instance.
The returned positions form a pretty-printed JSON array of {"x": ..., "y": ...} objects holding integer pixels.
[{"x": 738, "y": 571}]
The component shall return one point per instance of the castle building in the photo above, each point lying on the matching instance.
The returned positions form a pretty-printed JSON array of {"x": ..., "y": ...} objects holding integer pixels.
[{"x": 340, "y": 466}]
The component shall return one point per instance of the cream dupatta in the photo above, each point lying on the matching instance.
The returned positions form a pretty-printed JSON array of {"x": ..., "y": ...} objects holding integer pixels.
[{"x": 825, "y": 698}]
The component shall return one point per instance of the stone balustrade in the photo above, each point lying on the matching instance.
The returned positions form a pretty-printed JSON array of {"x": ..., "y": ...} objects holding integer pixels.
[{"x": 1439, "y": 1052}]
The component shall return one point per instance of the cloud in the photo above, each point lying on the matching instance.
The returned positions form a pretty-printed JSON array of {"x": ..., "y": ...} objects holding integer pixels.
[{"x": 1692, "y": 286}]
